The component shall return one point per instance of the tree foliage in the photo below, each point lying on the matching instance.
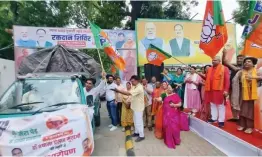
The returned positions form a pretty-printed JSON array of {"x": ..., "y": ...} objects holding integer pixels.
[
  {"x": 240, "y": 14},
  {"x": 179, "y": 10},
  {"x": 107, "y": 14}
]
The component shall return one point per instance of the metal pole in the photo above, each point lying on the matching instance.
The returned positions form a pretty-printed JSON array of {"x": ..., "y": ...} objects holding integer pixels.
[{"x": 193, "y": 16}]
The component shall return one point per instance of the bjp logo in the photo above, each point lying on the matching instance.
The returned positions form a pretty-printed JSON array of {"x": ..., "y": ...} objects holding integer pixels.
[{"x": 56, "y": 122}]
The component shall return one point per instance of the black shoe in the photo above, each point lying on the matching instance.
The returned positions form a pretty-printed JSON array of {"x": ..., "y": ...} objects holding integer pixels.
[
  {"x": 150, "y": 129},
  {"x": 221, "y": 124},
  {"x": 211, "y": 121},
  {"x": 233, "y": 120},
  {"x": 139, "y": 139},
  {"x": 135, "y": 135}
]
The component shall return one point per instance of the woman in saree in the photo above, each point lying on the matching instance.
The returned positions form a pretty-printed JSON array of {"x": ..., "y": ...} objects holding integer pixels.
[
  {"x": 247, "y": 80},
  {"x": 159, "y": 112},
  {"x": 178, "y": 82},
  {"x": 171, "y": 117},
  {"x": 127, "y": 113},
  {"x": 192, "y": 95},
  {"x": 205, "y": 110}
]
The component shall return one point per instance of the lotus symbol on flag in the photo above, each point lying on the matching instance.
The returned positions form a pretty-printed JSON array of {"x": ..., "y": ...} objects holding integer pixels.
[
  {"x": 208, "y": 30},
  {"x": 152, "y": 56}
]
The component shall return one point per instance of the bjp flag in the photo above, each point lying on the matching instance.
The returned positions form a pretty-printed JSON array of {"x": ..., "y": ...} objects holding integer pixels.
[
  {"x": 102, "y": 42},
  {"x": 252, "y": 49},
  {"x": 156, "y": 56},
  {"x": 214, "y": 31},
  {"x": 253, "y": 30}
]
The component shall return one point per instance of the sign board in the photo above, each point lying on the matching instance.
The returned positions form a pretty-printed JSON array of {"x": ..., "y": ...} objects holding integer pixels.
[
  {"x": 178, "y": 38},
  {"x": 48, "y": 134},
  {"x": 29, "y": 38}
]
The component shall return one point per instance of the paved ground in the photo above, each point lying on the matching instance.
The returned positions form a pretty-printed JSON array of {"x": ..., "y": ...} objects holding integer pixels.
[{"x": 113, "y": 143}]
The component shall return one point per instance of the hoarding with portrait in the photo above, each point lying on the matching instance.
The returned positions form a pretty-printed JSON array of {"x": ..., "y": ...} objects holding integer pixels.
[
  {"x": 178, "y": 38},
  {"x": 27, "y": 39},
  {"x": 48, "y": 134}
]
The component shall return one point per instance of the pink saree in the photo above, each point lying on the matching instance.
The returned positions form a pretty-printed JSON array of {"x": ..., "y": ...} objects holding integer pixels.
[{"x": 171, "y": 121}]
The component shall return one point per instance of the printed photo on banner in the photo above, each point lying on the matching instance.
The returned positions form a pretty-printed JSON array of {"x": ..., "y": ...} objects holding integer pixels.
[
  {"x": 179, "y": 39},
  {"x": 21, "y": 54},
  {"x": 44, "y": 37},
  {"x": 48, "y": 134},
  {"x": 124, "y": 41}
]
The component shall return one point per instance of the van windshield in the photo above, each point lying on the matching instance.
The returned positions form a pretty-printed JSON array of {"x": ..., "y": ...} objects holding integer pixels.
[{"x": 30, "y": 95}]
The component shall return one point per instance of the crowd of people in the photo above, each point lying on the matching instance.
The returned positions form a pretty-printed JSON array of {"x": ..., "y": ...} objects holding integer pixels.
[{"x": 159, "y": 105}]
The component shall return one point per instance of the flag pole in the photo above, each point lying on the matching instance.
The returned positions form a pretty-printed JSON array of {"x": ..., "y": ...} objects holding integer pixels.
[
  {"x": 180, "y": 61},
  {"x": 100, "y": 59}
]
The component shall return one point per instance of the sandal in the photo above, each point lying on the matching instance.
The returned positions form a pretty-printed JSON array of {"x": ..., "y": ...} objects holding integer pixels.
[
  {"x": 240, "y": 128},
  {"x": 248, "y": 131}
]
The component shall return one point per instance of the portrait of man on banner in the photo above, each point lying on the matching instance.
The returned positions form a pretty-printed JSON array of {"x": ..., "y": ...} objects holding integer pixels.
[
  {"x": 150, "y": 38},
  {"x": 24, "y": 39},
  {"x": 180, "y": 46}
]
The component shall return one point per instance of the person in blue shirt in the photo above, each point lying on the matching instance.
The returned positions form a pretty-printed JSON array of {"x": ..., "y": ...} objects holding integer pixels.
[
  {"x": 121, "y": 40},
  {"x": 167, "y": 76}
]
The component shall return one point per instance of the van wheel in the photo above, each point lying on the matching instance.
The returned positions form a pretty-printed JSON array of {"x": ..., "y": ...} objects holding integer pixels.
[{"x": 97, "y": 119}]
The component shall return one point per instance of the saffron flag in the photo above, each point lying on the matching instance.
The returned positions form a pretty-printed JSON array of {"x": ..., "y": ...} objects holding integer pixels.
[
  {"x": 113, "y": 69},
  {"x": 253, "y": 31},
  {"x": 214, "y": 31},
  {"x": 156, "y": 56},
  {"x": 102, "y": 42}
]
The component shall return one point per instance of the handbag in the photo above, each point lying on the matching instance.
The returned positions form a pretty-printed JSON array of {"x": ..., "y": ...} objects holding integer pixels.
[{"x": 184, "y": 122}]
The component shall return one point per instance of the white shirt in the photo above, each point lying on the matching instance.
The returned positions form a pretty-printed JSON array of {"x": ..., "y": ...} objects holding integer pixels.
[
  {"x": 149, "y": 87},
  {"x": 30, "y": 97},
  {"x": 96, "y": 90},
  {"x": 110, "y": 95},
  {"x": 118, "y": 95}
]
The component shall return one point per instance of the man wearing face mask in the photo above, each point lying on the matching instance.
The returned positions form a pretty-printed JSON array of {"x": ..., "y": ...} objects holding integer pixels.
[
  {"x": 111, "y": 102},
  {"x": 150, "y": 38}
]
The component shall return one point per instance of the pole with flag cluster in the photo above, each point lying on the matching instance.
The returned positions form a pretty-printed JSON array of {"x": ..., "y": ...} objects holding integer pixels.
[
  {"x": 253, "y": 31},
  {"x": 102, "y": 42},
  {"x": 214, "y": 31}
]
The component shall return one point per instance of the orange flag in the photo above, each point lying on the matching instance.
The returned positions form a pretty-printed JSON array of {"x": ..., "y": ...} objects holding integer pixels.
[
  {"x": 214, "y": 31},
  {"x": 113, "y": 69},
  {"x": 253, "y": 30}
]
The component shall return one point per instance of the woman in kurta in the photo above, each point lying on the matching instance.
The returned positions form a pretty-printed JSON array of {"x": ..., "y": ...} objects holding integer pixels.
[
  {"x": 127, "y": 113},
  {"x": 159, "y": 112},
  {"x": 178, "y": 82},
  {"x": 171, "y": 117},
  {"x": 205, "y": 110},
  {"x": 247, "y": 79},
  {"x": 192, "y": 95}
]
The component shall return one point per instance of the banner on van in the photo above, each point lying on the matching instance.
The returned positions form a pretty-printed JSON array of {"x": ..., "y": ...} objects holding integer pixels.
[{"x": 48, "y": 134}]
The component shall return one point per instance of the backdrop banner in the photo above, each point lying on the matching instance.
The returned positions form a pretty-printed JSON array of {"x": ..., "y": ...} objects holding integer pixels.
[
  {"x": 29, "y": 38},
  {"x": 178, "y": 38}
]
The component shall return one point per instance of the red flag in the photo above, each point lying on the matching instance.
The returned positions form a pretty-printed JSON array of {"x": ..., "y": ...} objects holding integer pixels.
[{"x": 214, "y": 31}]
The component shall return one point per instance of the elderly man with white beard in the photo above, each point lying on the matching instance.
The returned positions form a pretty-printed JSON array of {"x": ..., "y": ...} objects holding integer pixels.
[{"x": 150, "y": 38}]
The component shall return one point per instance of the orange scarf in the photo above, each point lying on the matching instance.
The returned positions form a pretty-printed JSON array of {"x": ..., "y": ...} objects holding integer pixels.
[
  {"x": 218, "y": 78},
  {"x": 249, "y": 93},
  {"x": 155, "y": 105}
]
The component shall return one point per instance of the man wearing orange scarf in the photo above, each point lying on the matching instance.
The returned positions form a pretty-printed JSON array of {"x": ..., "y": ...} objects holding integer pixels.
[{"x": 216, "y": 88}]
